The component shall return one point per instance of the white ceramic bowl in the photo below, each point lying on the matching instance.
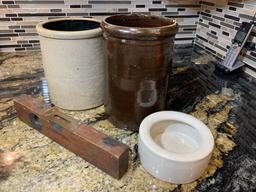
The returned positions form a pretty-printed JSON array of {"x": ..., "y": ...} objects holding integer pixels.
[{"x": 174, "y": 147}]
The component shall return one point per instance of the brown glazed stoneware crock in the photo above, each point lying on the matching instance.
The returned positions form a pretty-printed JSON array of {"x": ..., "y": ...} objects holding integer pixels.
[{"x": 138, "y": 51}]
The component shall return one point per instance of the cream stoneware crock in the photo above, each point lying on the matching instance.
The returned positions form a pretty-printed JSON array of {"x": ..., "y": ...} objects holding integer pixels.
[{"x": 72, "y": 53}]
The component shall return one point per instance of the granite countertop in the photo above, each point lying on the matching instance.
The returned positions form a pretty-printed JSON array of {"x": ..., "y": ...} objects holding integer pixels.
[{"x": 226, "y": 103}]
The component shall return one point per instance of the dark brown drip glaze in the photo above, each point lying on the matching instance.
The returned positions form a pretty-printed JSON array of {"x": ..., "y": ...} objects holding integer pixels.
[{"x": 138, "y": 66}]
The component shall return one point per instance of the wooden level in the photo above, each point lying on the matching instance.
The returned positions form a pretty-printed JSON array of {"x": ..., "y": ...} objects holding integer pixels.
[{"x": 104, "y": 152}]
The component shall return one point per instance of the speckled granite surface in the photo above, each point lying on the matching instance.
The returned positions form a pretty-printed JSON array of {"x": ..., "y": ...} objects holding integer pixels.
[{"x": 42, "y": 165}]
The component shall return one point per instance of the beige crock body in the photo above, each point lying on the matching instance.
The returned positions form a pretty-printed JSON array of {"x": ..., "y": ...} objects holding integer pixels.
[{"x": 73, "y": 64}]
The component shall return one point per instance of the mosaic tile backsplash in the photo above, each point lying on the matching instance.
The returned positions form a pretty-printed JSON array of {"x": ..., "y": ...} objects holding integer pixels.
[
  {"x": 218, "y": 24},
  {"x": 18, "y": 18},
  {"x": 210, "y": 23}
]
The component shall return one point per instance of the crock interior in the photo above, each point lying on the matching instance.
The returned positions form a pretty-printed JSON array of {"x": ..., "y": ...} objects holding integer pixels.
[
  {"x": 175, "y": 136},
  {"x": 140, "y": 21},
  {"x": 71, "y": 25}
]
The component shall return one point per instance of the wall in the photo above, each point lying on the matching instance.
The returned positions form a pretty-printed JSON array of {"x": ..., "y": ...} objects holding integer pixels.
[
  {"x": 218, "y": 20},
  {"x": 218, "y": 23},
  {"x": 18, "y": 18}
]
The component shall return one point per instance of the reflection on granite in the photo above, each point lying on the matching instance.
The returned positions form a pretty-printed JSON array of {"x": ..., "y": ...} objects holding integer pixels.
[
  {"x": 239, "y": 171},
  {"x": 16, "y": 65},
  {"x": 19, "y": 73},
  {"x": 195, "y": 89}
]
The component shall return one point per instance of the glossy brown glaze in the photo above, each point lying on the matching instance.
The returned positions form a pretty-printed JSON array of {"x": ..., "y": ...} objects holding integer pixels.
[{"x": 139, "y": 52}]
